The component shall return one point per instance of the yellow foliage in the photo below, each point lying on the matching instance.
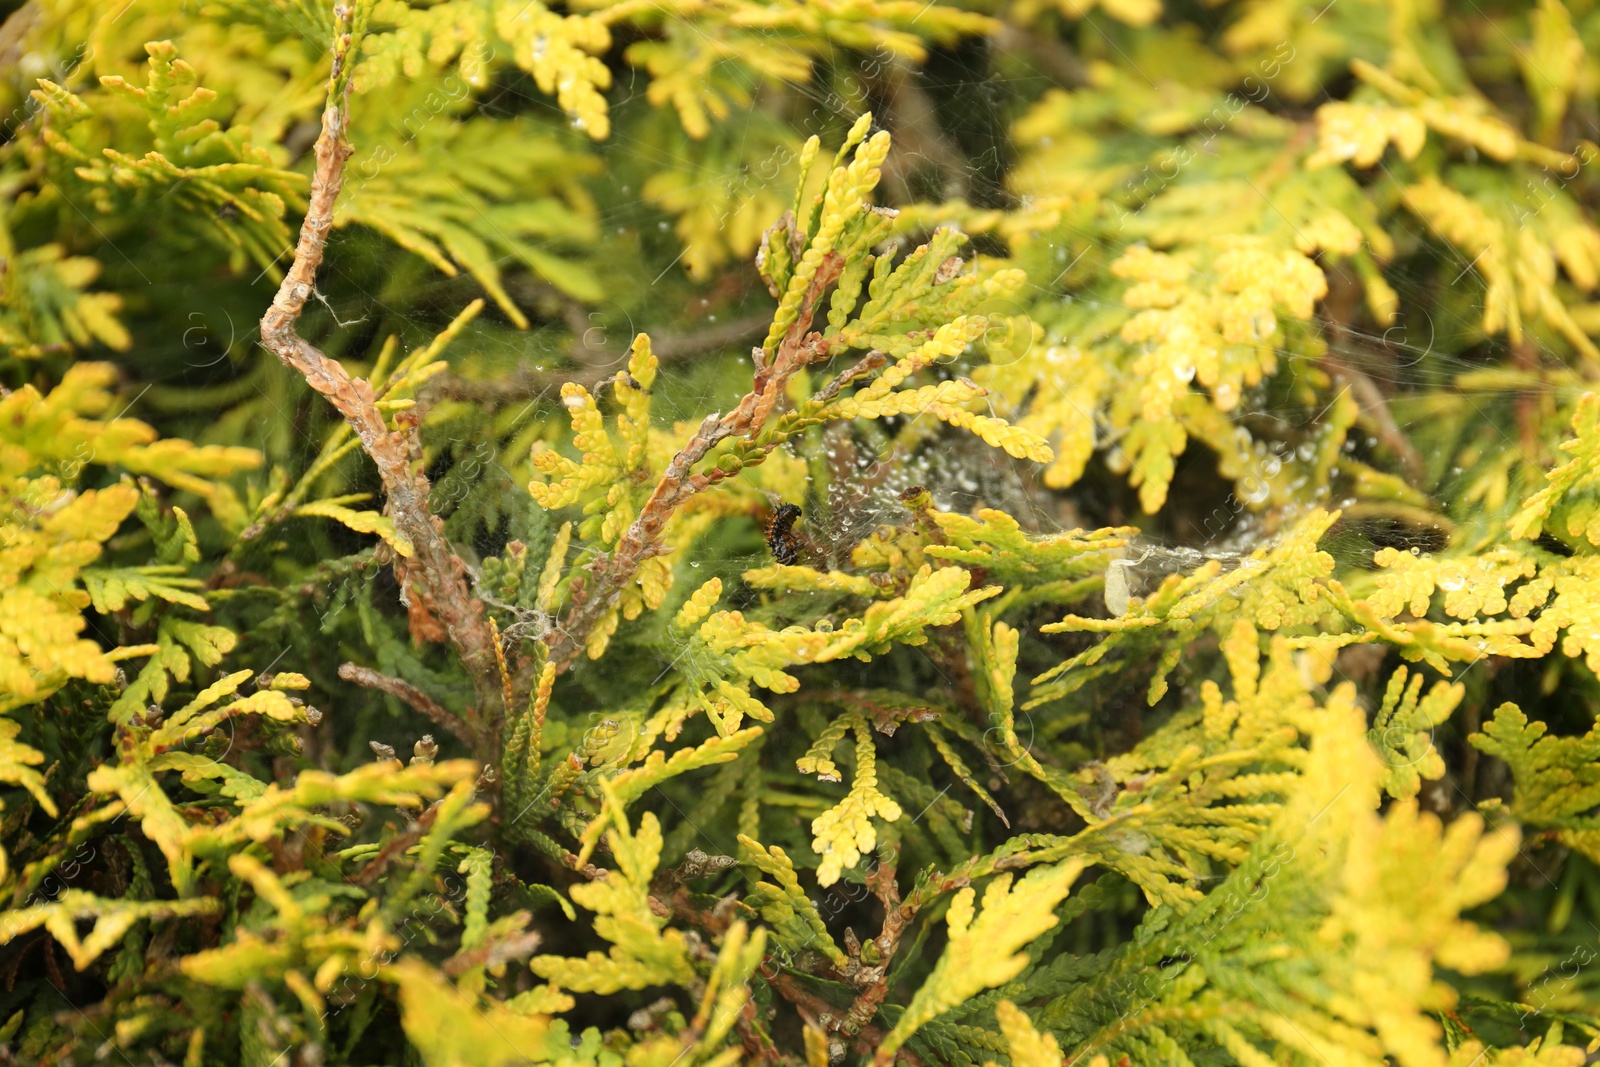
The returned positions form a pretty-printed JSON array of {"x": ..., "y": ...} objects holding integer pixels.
[
  {"x": 1359, "y": 133},
  {"x": 1572, "y": 494},
  {"x": 1025, "y": 1045},
  {"x": 55, "y": 532},
  {"x": 111, "y": 920},
  {"x": 983, "y": 946},
  {"x": 449, "y": 1028},
  {"x": 1407, "y": 879},
  {"x": 1517, "y": 261},
  {"x": 844, "y": 833},
  {"x": 644, "y": 952},
  {"x": 560, "y": 51}
]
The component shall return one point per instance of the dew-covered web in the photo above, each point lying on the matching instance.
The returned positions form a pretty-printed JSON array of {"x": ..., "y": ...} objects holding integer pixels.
[{"x": 940, "y": 150}]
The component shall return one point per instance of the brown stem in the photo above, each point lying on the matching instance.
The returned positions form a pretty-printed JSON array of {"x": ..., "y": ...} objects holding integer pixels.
[
  {"x": 433, "y": 579},
  {"x": 609, "y": 575},
  {"x": 873, "y": 981},
  {"x": 813, "y": 1006},
  {"x": 397, "y": 846},
  {"x": 517, "y": 945},
  {"x": 407, "y": 693}
]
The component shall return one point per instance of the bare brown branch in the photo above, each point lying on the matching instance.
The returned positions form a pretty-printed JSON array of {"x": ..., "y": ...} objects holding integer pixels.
[
  {"x": 409, "y": 694},
  {"x": 815, "y": 1007},
  {"x": 433, "y": 579},
  {"x": 396, "y": 846}
]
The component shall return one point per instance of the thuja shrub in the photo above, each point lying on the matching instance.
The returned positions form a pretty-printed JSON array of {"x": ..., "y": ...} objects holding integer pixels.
[{"x": 772, "y": 532}]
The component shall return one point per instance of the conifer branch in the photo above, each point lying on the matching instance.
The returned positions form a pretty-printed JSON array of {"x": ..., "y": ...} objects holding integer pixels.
[
  {"x": 396, "y": 846},
  {"x": 1244, "y": 876},
  {"x": 610, "y": 575},
  {"x": 433, "y": 578},
  {"x": 409, "y": 694},
  {"x": 872, "y": 981}
]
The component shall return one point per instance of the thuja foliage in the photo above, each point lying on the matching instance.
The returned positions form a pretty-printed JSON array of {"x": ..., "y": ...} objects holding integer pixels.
[{"x": 755, "y": 531}]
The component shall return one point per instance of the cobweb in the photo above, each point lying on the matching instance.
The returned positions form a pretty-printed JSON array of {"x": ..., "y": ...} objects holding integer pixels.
[{"x": 962, "y": 476}]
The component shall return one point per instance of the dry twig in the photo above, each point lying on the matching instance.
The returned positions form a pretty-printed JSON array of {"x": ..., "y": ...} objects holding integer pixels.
[
  {"x": 433, "y": 579},
  {"x": 396, "y": 846},
  {"x": 407, "y": 693}
]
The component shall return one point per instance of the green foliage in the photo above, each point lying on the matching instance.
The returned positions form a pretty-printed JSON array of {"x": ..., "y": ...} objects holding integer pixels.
[
  {"x": 1554, "y": 776},
  {"x": 1568, "y": 503},
  {"x": 982, "y": 952},
  {"x": 643, "y": 953},
  {"x": 191, "y": 172},
  {"x": 1092, "y": 558}
]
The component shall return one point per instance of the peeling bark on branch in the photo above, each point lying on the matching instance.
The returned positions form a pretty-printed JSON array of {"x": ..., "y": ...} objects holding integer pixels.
[{"x": 433, "y": 578}]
